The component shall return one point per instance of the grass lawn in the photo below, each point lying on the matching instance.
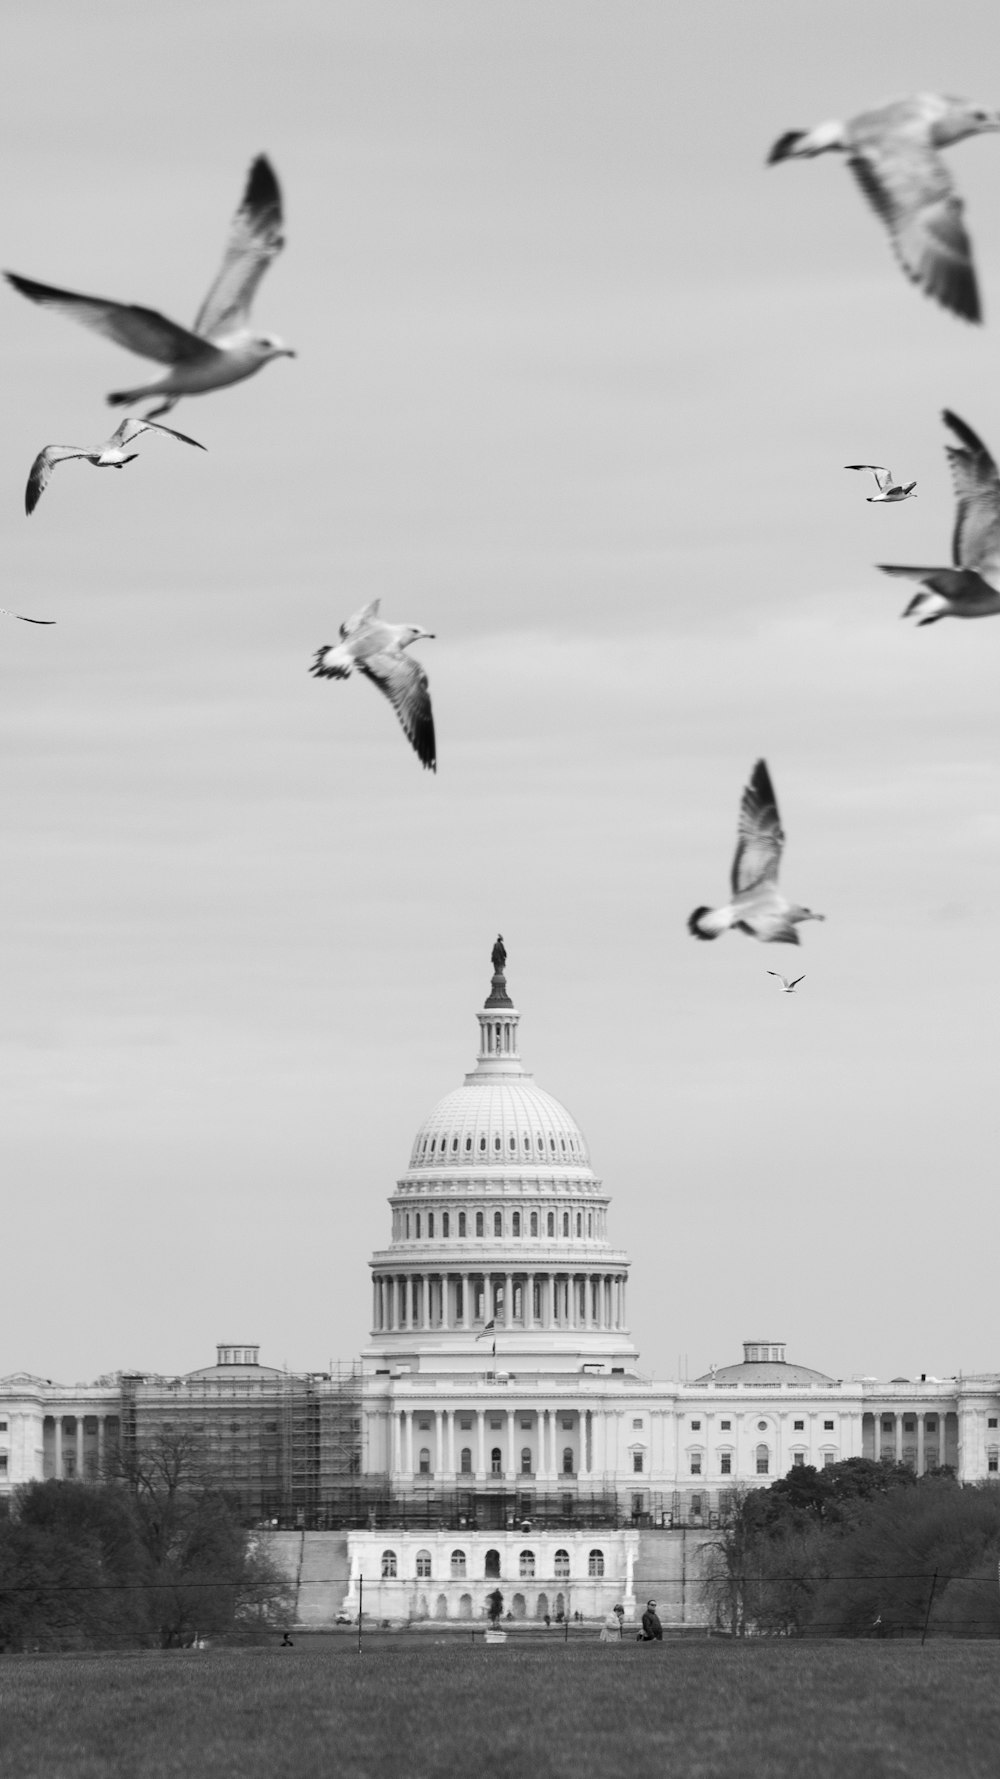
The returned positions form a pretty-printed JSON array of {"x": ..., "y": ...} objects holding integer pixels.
[{"x": 409, "y": 1706}]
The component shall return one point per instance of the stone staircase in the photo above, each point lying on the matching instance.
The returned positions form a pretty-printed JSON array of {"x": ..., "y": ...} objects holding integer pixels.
[{"x": 322, "y": 1578}]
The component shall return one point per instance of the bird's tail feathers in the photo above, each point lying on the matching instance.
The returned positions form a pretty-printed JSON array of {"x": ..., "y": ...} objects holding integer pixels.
[
  {"x": 708, "y": 923},
  {"x": 124, "y": 398},
  {"x": 331, "y": 664}
]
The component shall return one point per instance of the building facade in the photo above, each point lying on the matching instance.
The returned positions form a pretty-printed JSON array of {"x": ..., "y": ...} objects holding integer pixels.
[{"x": 497, "y": 1428}]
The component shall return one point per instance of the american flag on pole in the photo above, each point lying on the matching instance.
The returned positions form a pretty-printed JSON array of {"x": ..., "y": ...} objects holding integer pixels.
[{"x": 489, "y": 1326}]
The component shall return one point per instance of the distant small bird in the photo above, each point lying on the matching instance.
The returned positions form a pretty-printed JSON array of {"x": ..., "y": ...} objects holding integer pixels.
[
  {"x": 111, "y": 455},
  {"x": 758, "y": 906},
  {"x": 893, "y": 153},
  {"x": 4, "y": 613},
  {"x": 222, "y": 347},
  {"x": 887, "y": 488},
  {"x": 788, "y": 988},
  {"x": 971, "y": 589},
  {"x": 376, "y": 650}
]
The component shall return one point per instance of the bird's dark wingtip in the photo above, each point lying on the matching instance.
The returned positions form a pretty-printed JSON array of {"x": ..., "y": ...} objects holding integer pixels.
[{"x": 693, "y": 926}]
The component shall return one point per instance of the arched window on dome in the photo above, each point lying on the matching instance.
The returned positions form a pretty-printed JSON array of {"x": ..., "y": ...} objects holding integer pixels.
[
  {"x": 482, "y": 1145},
  {"x": 590, "y": 1222},
  {"x": 534, "y": 1223},
  {"x": 565, "y": 1223},
  {"x": 430, "y": 1223},
  {"x": 479, "y": 1222},
  {"x": 461, "y": 1223},
  {"x": 562, "y": 1144},
  {"x": 527, "y": 1141},
  {"x": 579, "y": 1222},
  {"x": 515, "y": 1223},
  {"x": 445, "y": 1225},
  {"x": 552, "y": 1143},
  {"x": 512, "y": 1142},
  {"x": 595, "y": 1563},
  {"x": 388, "y": 1565},
  {"x": 498, "y": 1223},
  {"x": 496, "y": 1462},
  {"x": 541, "y": 1143},
  {"x": 454, "y": 1144},
  {"x": 496, "y": 1143},
  {"x": 423, "y": 1150},
  {"x": 407, "y": 1225},
  {"x": 468, "y": 1145},
  {"x": 433, "y": 1144},
  {"x": 418, "y": 1225},
  {"x": 550, "y": 1223}
]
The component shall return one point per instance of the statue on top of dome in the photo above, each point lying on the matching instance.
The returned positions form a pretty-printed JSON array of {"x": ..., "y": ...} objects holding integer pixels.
[{"x": 499, "y": 956}]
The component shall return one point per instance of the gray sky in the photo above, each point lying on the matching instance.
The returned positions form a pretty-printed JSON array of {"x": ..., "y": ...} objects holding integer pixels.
[{"x": 577, "y": 377}]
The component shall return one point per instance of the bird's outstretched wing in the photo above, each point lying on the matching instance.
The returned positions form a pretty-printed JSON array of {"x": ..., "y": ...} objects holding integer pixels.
[
  {"x": 908, "y": 184},
  {"x": 41, "y": 471},
  {"x": 22, "y": 619},
  {"x": 366, "y": 615},
  {"x": 131, "y": 428},
  {"x": 883, "y": 476},
  {"x": 144, "y": 331},
  {"x": 759, "y": 833},
  {"x": 404, "y": 683},
  {"x": 976, "y": 540},
  {"x": 255, "y": 238}
]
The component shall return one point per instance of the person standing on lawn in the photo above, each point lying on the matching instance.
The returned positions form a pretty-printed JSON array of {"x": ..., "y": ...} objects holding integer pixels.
[
  {"x": 611, "y": 1630},
  {"x": 652, "y": 1630}
]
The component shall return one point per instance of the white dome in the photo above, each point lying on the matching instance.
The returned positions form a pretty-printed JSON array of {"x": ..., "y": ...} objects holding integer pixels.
[{"x": 501, "y": 1121}]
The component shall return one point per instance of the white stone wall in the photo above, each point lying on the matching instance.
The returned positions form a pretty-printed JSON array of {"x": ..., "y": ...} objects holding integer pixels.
[{"x": 447, "y": 1594}]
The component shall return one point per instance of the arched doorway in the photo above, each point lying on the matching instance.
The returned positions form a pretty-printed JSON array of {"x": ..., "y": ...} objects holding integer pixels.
[{"x": 492, "y": 1568}]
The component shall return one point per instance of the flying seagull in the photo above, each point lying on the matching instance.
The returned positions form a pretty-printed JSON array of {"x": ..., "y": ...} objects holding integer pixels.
[
  {"x": 887, "y": 488},
  {"x": 970, "y": 589},
  {"x": 376, "y": 650},
  {"x": 222, "y": 347},
  {"x": 758, "y": 906},
  {"x": 111, "y": 455},
  {"x": 788, "y": 988},
  {"x": 893, "y": 153}
]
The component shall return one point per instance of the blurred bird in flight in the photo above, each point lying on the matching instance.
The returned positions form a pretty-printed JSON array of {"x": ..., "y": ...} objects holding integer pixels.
[
  {"x": 222, "y": 347},
  {"x": 970, "y": 588},
  {"x": 788, "y": 988},
  {"x": 111, "y": 455},
  {"x": 887, "y": 488},
  {"x": 376, "y": 650},
  {"x": 893, "y": 153},
  {"x": 758, "y": 906}
]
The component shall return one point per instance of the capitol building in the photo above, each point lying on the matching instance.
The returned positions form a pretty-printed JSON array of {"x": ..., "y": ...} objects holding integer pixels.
[{"x": 496, "y": 1429}]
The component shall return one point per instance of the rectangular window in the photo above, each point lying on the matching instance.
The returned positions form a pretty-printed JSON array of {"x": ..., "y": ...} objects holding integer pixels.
[
  {"x": 991, "y": 1422},
  {"x": 725, "y": 1425},
  {"x": 827, "y": 1426},
  {"x": 993, "y": 1462},
  {"x": 636, "y": 1461},
  {"x": 465, "y": 1422},
  {"x": 3, "y": 1426},
  {"x": 445, "y": 1223},
  {"x": 908, "y": 1426},
  {"x": 696, "y": 1426},
  {"x": 762, "y": 1466},
  {"x": 828, "y": 1459},
  {"x": 430, "y": 1223},
  {"x": 887, "y": 1423},
  {"x": 3, "y": 1463},
  {"x": 526, "y": 1425},
  {"x": 798, "y": 1458},
  {"x": 495, "y": 1423},
  {"x": 696, "y": 1504},
  {"x": 567, "y": 1423},
  {"x": 726, "y": 1464},
  {"x": 637, "y": 1424},
  {"x": 799, "y": 1426},
  {"x": 695, "y": 1463},
  {"x": 931, "y": 1424}
]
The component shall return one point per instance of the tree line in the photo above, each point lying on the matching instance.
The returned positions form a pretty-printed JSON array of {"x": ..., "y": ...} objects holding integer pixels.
[
  {"x": 152, "y": 1555},
  {"x": 860, "y": 1548}
]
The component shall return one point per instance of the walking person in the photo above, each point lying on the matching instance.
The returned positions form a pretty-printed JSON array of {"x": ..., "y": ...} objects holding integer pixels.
[
  {"x": 611, "y": 1630},
  {"x": 652, "y": 1630}
]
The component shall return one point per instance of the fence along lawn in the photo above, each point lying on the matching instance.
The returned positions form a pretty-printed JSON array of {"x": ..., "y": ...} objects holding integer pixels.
[{"x": 427, "y": 1709}]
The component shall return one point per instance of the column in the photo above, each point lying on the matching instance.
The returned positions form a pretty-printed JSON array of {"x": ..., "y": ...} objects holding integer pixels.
[
  {"x": 408, "y": 1287},
  {"x": 529, "y": 1300},
  {"x": 466, "y": 1312},
  {"x": 451, "y": 1440},
  {"x": 408, "y": 1440},
  {"x": 480, "y": 1442},
  {"x": 570, "y": 1305},
  {"x": 508, "y": 1294},
  {"x": 100, "y": 1447},
  {"x": 445, "y": 1305},
  {"x": 899, "y": 1437},
  {"x": 511, "y": 1453},
  {"x": 438, "y": 1441},
  {"x": 57, "y": 1424},
  {"x": 920, "y": 1444},
  {"x": 586, "y": 1464},
  {"x": 79, "y": 1447},
  {"x": 397, "y": 1441}
]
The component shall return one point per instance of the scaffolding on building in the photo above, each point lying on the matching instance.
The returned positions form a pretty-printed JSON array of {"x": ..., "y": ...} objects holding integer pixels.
[{"x": 286, "y": 1447}]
